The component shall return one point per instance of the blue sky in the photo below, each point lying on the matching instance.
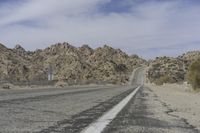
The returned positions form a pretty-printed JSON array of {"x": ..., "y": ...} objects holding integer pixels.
[{"x": 149, "y": 28}]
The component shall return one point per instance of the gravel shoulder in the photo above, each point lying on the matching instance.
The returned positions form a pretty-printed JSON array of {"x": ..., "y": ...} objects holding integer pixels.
[
  {"x": 182, "y": 101},
  {"x": 148, "y": 113}
]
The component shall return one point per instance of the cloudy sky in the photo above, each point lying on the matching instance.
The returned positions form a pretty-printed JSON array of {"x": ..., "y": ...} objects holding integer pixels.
[{"x": 149, "y": 28}]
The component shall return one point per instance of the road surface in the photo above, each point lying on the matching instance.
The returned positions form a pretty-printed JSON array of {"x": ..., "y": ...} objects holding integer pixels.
[
  {"x": 71, "y": 110},
  {"x": 146, "y": 113},
  {"x": 57, "y": 110}
]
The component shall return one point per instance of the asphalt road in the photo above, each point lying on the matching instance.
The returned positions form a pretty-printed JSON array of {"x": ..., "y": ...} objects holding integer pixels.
[
  {"x": 67, "y": 110},
  {"x": 70, "y": 110},
  {"x": 146, "y": 113}
]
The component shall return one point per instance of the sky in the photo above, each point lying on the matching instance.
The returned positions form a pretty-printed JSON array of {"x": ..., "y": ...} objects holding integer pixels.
[{"x": 148, "y": 28}]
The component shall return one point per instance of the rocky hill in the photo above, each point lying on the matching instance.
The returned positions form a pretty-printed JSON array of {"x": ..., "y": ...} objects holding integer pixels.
[
  {"x": 70, "y": 64},
  {"x": 12, "y": 65},
  {"x": 171, "y": 70},
  {"x": 189, "y": 57}
]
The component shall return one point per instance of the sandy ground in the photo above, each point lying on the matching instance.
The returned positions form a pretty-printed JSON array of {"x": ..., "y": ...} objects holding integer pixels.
[{"x": 184, "y": 102}]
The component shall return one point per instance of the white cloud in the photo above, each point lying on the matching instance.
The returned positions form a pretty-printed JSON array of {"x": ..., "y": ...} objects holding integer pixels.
[
  {"x": 40, "y": 9},
  {"x": 148, "y": 25}
]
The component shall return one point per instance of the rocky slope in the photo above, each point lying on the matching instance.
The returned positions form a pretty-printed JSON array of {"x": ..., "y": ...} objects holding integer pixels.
[
  {"x": 70, "y": 64},
  {"x": 171, "y": 70},
  {"x": 12, "y": 65}
]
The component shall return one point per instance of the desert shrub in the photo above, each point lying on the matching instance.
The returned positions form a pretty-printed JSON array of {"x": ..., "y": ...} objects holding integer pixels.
[
  {"x": 162, "y": 80},
  {"x": 193, "y": 75},
  {"x": 120, "y": 68}
]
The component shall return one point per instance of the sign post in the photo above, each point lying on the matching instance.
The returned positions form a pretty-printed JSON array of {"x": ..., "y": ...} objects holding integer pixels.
[{"x": 50, "y": 73}]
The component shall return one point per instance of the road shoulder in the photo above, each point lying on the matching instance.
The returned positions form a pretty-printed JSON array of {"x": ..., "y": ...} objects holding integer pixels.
[
  {"x": 182, "y": 101},
  {"x": 147, "y": 113}
]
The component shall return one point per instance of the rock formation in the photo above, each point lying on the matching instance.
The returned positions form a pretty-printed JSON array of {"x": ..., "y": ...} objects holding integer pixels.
[
  {"x": 171, "y": 70},
  {"x": 70, "y": 64}
]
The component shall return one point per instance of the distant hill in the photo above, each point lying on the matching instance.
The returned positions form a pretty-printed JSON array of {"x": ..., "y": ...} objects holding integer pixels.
[
  {"x": 171, "y": 70},
  {"x": 83, "y": 65},
  {"x": 70, "y": 64}
]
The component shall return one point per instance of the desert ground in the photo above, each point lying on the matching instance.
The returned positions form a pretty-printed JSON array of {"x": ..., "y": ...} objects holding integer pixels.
[{"x": 182, "y": 100}]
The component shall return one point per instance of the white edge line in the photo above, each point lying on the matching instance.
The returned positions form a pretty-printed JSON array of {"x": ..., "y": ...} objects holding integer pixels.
[{"x": 99, "y": 125}]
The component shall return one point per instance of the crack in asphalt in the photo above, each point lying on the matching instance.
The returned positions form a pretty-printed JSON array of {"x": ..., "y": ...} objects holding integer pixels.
[{"x": 79, "y": 121}]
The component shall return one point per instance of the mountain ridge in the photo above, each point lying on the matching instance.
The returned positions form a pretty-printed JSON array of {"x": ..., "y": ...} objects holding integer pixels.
[
  {"x": 74, "y": 65},
  {"x": 84, "y": 65}
]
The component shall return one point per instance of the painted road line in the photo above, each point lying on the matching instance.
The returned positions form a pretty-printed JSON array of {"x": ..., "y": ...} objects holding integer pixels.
[{"x": 99, "y": 125}]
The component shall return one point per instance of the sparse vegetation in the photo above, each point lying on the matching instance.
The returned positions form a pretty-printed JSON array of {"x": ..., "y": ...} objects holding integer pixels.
[
  {"x": 162, "y": 80},
  {"x": 175, "y": 68},
  {"x": 193, "y": 75},
  {"x": 166, "y": 70}
]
